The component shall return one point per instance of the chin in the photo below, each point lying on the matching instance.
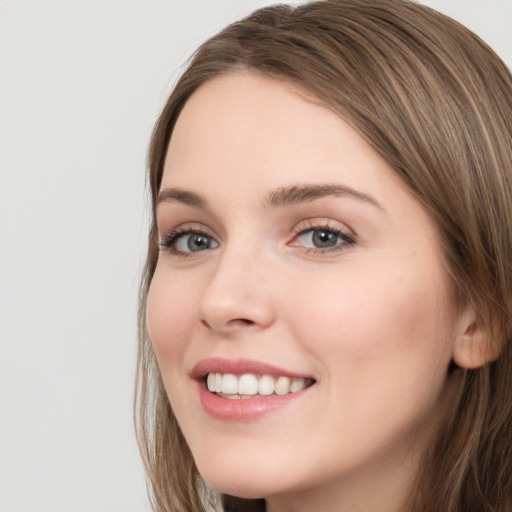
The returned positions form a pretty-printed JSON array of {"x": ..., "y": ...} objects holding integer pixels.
[
  {"x": 248, "y": 487},
  {"x": 242, "y": 479}
]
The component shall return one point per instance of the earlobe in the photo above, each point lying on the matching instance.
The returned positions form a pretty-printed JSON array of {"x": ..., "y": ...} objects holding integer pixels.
[{"x": 476, "y": 344}]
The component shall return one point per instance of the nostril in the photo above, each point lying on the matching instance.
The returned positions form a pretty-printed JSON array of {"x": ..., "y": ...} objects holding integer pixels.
[
  {"x": 243, "y": 321},
  {"x": 232, "y": 322}
]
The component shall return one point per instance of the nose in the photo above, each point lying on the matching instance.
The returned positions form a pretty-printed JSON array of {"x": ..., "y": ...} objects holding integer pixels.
[{"x": 238, "y": 296}]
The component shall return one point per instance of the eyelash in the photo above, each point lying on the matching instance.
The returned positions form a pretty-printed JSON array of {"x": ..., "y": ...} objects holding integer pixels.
[
  {"x": 169, "y": 242},
  {"x": 344, "y": 241}
]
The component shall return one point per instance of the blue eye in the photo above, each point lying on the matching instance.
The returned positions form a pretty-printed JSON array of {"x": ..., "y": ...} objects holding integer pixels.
[
  {"x": 323, "y": 239},
  {"x": 194, "y": 242},
  {"x": 188, "y": 242}
]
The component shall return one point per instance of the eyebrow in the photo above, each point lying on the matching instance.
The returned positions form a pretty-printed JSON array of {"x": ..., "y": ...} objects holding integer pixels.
[
  {"x": 297, "y": 194},
  {"x": 169, "y": 195},
  {"x": 281, "y": 197}
]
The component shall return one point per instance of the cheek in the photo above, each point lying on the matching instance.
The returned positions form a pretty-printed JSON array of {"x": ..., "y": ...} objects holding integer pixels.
[
  {"x": 167, "y": 316},
  {"x": 383, "y": 343},
  {"x": 379, "y": 320}
]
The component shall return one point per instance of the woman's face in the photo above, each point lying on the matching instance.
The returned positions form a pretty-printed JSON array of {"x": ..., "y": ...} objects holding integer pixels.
[{"x": 293, "y": 255}]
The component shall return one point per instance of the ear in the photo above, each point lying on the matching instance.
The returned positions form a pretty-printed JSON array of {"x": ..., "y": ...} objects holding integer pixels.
[{"x": 476, "y": 343}]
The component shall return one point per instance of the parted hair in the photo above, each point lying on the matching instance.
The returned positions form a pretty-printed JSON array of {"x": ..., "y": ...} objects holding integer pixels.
[{"x": 436, "y": 103}]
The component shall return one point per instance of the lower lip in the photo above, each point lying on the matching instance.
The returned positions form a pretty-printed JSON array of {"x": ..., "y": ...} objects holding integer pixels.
[{"x": 243, "y": 409}]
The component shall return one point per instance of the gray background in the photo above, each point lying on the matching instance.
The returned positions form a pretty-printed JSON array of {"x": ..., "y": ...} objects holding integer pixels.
[{"x": 81, "y": 83}]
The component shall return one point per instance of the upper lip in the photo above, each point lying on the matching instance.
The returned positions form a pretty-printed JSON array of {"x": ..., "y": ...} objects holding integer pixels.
[{"x": 239, "y": 367}]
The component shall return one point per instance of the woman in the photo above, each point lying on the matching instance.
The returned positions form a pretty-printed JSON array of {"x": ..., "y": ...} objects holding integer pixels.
[{"x": 325, "y": 311}]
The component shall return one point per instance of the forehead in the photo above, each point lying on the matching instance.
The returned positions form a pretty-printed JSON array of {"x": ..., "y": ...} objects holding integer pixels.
[
  {"x": 262, "y": 109},
  {"x": 244, "y": 123}
]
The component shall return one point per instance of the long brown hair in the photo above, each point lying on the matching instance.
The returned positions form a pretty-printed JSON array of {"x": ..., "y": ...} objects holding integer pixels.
[{"x": 436, "y": 103}]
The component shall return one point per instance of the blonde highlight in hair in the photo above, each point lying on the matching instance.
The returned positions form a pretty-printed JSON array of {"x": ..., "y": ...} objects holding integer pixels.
[{"x": 436, "y": 103}]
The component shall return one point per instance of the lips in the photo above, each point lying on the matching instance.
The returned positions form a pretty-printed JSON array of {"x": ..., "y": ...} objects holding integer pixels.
[
  {"x": 244, "y": 389},
  {"x": 239, "y": 367}
]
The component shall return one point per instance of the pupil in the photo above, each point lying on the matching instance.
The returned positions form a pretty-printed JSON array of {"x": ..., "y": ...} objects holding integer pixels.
[
  {"x": 324, "y": 238},
  {"x": 198, "y": 242}
]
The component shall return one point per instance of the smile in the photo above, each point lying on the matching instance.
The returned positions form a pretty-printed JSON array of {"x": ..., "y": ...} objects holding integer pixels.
[
  {"x": 248, "y": 385},
  {"x": 247, "y": 390}
]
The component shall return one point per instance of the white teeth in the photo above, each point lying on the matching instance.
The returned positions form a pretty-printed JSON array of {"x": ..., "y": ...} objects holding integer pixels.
[
  {"x": 218, "y": 383},
  {"x": 266, "y": 385},
  {"x": 248, "y": 385},
  {"x": 297, "y": 385},
  {"x": 282, "y": 386},
  {"x": 210, "y": 382},
  {"x": 229, "y": 384}
]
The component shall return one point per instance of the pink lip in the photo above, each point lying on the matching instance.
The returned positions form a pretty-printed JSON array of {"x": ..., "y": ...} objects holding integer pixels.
[
  {"x": 241, "y": 409},
  {"x": 238, "y": 367}
]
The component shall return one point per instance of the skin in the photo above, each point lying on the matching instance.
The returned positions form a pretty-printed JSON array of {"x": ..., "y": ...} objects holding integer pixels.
[{"x": 373, "y": 321}]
